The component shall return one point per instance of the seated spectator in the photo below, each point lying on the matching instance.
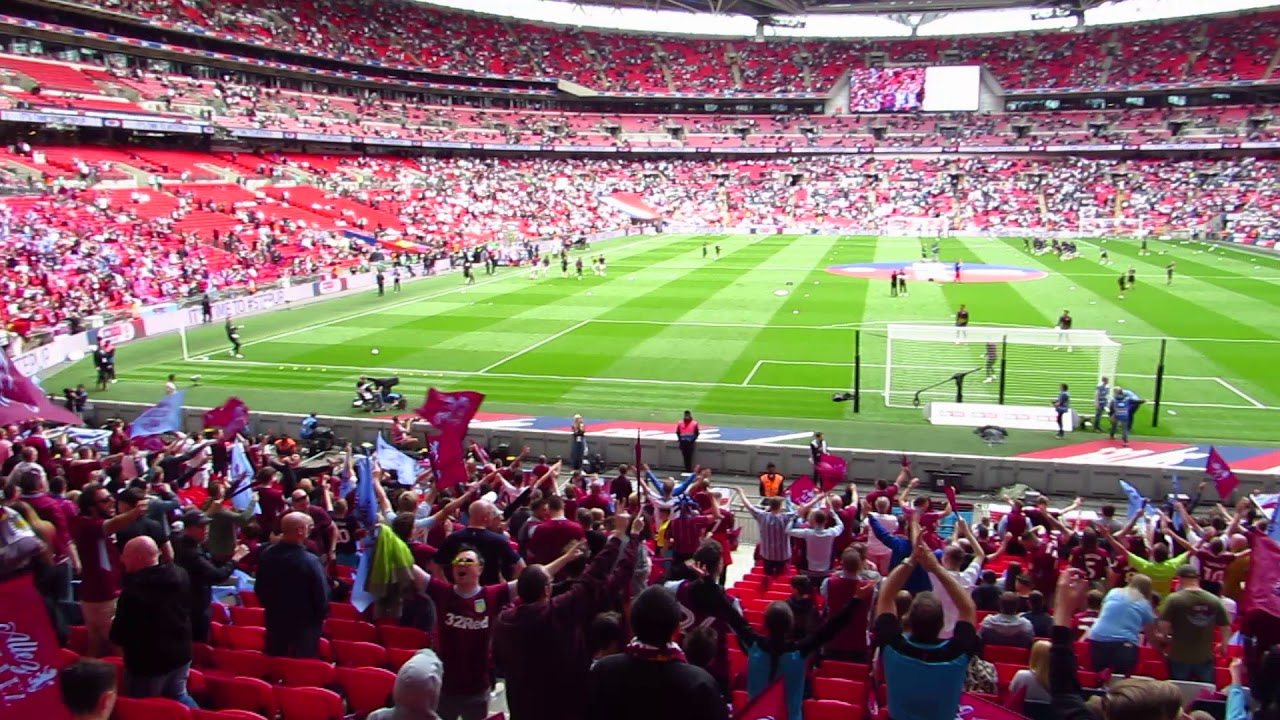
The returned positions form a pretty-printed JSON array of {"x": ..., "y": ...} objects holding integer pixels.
[
  {"x": 986, "y": 596},
  {"x": 1007, "y": 627},
  {"x": 1041, "y": 620},
  {"x": 1093, "y": 605},
  {"x": 1035, "y": 679}
]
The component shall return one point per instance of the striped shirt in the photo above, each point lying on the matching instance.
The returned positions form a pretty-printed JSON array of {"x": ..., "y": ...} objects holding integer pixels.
[
  {"x": 684, "y": 534},
  {"x": 775, "y": 544}
]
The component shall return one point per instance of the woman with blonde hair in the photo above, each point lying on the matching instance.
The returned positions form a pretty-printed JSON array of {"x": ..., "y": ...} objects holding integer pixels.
[
  {"x": 1035, "y": 679},
  {"x": 578, "y": 450},
  {"x": 1126, "y": 614}
]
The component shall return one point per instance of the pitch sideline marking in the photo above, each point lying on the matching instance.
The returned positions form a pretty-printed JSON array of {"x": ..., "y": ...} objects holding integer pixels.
[
  {"x": 420, "y": 373},
  {"x": 535, "y": 346},
  {"x": 1239, "y": 392},
  {"x": 431, "y": 296}
]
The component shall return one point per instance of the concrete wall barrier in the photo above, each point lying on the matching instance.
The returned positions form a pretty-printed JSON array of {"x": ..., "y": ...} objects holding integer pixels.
[{"x": 977, "y": 473}]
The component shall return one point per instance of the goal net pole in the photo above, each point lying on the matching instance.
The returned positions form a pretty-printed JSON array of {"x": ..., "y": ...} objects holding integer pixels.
[{"x": 1013, "y": 365}]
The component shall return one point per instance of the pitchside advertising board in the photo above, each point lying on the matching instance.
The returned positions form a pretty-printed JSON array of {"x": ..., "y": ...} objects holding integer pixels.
[
  {"x": 64, "y": 348},
  {"x": 1019, "y": 417}
]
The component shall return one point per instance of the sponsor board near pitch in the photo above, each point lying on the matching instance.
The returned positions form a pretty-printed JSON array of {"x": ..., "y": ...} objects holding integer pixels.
[
  {"x": 1160, "y": 455},
  {"x": 938, "y": 272},
  {"x": 629, "y": 428}
]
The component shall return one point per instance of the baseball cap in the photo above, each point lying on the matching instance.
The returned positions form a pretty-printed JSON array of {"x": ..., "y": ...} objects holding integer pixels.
[{"x": 194, "y": 518}]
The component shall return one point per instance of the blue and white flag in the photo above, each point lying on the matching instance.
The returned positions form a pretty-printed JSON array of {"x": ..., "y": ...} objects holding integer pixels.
[
  {"x": 165, "y": 416},
  {"x": 240, "y": 472},
  {"x": 389, "y": 458},
  {"x": 1273, "y": 527},
  {"x": 367, "y": 514},
  {"x": 1175, "y": 490},
  {"x": 1136, "y": 500}
]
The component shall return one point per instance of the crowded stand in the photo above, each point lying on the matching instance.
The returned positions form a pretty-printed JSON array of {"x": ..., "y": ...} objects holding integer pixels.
[
  {"x": 1196, "y": 50},
  {"x": 87, "y": 248},
  {"x": 217, "y": 572}
]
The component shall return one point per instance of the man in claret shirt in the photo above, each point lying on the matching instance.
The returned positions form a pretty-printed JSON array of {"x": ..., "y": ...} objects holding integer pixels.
[
  {"x": 1091, "y": 558},
  {"x": 549, "y": 537},
  {"x": 467, "y": 613},
  {"x": 1042, "y": 562}
]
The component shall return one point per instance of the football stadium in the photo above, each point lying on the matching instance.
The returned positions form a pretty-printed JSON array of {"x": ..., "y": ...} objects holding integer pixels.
[{"x": 612, "y": 359}]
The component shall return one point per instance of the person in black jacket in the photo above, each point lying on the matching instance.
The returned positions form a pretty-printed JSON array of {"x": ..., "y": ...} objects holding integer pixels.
[
  {"x": 1135, "y": 698},
  {"x": 650, "y": 679},
  {"x": 294, "y": 591},
  {"x": 190, "y": 554},
  {"x": 152, "y": 626}
]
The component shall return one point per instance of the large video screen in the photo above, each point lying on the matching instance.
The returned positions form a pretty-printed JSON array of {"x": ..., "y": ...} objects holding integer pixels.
[
  {"x": 952, "y": 88},
  {"x": 886, "y": 89}
]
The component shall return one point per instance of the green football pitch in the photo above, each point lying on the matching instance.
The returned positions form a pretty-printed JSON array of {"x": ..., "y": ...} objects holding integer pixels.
[{"x": 761, "y": 337}]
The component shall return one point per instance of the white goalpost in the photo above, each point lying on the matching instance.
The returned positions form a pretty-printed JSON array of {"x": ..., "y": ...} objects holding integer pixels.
[{"x": 921, "y": 362}]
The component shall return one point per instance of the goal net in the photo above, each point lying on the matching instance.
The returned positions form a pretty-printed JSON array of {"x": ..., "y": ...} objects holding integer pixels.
[
  {"x": 922, "y": 360},
  {"x": 915, "y": 227}
]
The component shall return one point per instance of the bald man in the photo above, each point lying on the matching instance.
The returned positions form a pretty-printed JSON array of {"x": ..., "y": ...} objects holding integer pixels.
[
  {"x": 152, "y": 625},
  {"x": 482, "y": 533},
  {"x": 294, "y": 591}
]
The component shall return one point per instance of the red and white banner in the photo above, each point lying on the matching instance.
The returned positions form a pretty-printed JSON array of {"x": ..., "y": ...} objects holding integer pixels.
[
  {"x": 631, "y": 204},
  {"x": 28, "y": 654}
]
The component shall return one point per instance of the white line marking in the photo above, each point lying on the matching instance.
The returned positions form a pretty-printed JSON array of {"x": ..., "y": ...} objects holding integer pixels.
[
  {"x": 1054, "y": 373},
  {"x": 391, "y": 306},
  {"x": 1239, "y": 392},
  {"x": 532, "y": 347},
  {"x": 753, "y": 372},
  {"x": 419, "y": 373}
]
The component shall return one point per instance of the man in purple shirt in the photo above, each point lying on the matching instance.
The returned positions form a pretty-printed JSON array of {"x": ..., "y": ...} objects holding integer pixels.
[{"x": 55, "y": 511}]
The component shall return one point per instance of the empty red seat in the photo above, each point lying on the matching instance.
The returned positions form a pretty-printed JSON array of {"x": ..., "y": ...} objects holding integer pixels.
[
  {"x": 219, "y": 612},
  {"x": 67, "y": 657},
  {"x": 343, "y": 611},
  {"x": 358, "y": 654},
  {"x": 296, "y": 672},
  {"x": 309, "y": 704},
  {"x": 243, "y": 663},
  {"x": 242, "y": 693},
  {"x": 403, "y": 637},
  {"x": 240, "y": 637},
  {"x": 1006, "y": 654},
  {"x": 1157, "y": 669},
  {"x": 247, "y": 616},
  {"x": 150, "y": 709},
  {"x": 845, "y": 691},
  {"x": 397, "y": 657},
  {"x": 844, "y": 670},
  {"x": 366, "y": 689},
  {"x": 225, "y": 715},
  {"x": 249, "y": 598},
  {"x": 832, "y": 710},
  {"x": 353, "y": 630}
]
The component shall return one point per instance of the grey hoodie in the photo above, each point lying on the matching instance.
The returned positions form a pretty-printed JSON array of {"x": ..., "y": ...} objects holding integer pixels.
[{"x": 417, "y": 689}]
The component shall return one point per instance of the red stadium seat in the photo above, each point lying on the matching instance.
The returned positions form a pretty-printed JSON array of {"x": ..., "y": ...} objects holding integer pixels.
[
  {"x": 1006, "y": 654},
  {"x": 393, "y": 636},
  {"x": 240, "y": 637},
  {"x": 740, "y": 699},
  {"x": 196, "y": 685},
  {"x": 150, "y": 709},
  {"x": 78, "y": 639},
  {"x": 242, "y": 693},
  {"x": 366, "y": 689},
  {"x": 354, "y": 630},
  {"x": 846, "y": 691},
  {"x": 1158, "y": 669},
  {"x": 397, "y": 657},
  {"x": 844, "y": 670},
  {"x": 249, "y": 598},
  {"x": 67, "y": 657},
  {"x": 225, "y": 715},
  {"x": 1005, "y": 673},
  {"x": 242, "y": 663},
  {"x": 832, "y": 710},
  {"x": 247, "y": 616},
  {"x": 219, "y": 612},
  {"x": 343, "y": 611},
  {"x": 309, "y": 704},
  {"x": 358, "y": 654},
  {"x": 295, "y": 672}
]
